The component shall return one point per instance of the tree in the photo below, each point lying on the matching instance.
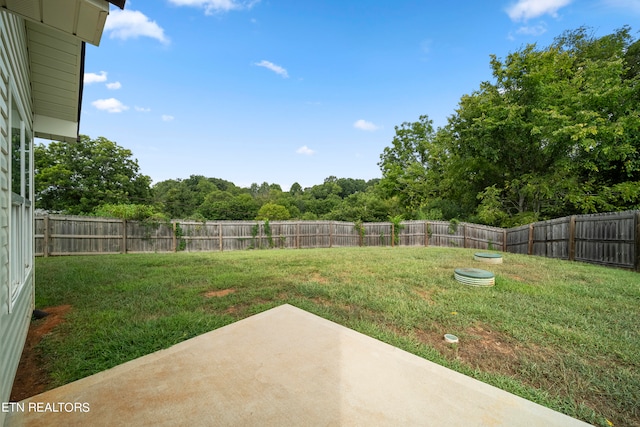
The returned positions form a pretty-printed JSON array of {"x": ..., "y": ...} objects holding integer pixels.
[
  {"x": 632, "y": 62},
  {"x": 361, "y": 207},
  {"x": 77, "y": 178},
  {"x": 555, "y": 134},
  {"x": 296, "y": 189},
  {"x": 349, "y": 186},
  {"x": 273, "y": 212},
  {"x": 185, "y": 198},
  {"x": 224, "y": 206},
  {"x": 407, "y": 166}
]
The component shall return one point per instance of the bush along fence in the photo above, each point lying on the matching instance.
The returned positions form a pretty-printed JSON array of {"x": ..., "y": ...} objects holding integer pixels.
[{"x": 609, "y": 239}]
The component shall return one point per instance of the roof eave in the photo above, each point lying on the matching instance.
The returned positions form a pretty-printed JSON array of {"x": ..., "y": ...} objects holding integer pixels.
[{"x": 56, "y": 60}]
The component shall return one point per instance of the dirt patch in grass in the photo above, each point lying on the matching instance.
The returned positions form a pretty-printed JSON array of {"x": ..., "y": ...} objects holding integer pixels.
[
  {"x": 240, "y": 310},
  {"x": 489, "y": 350},
  {"x": 31, "y": 378},
  {"x": 234, "y": 309},
  {"x": 426, "y": 294},
  {"x": 219, "y": 293},
  {"x": 318, "y": 278},
  {"x": 479, "y": 347}
]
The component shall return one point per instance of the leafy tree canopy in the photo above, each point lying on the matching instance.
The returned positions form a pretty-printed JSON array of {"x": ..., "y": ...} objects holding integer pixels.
[
  {"x": 555, "y": 133},
  {"x": 273, "y": 212},
  {"x": 77, "y": 178}
]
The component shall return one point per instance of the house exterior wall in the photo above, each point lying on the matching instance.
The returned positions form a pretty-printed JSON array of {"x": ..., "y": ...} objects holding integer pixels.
[{"x": 16, "y": 302}]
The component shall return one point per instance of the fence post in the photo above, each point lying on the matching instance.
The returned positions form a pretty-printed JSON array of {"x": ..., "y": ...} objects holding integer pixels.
[
  {"x": 530, "y": 249},
  {"x": 464, "y": 234},
  {"x": 298, "y": 235},
  {"x": 45, "y": 238},
  {"x": 220, "y": 241},
  {"x": 572, "y": 238},
  {"x": 124, "y": 236},
  {"x": 637, "y": 260},
  {"x": 393, "y": 235},
  {"x": 504, "y": 240},
  {"x": 426, "y": 233},
  {"x": 174, "y": 243},
  {"x": 331, "y": 225}
]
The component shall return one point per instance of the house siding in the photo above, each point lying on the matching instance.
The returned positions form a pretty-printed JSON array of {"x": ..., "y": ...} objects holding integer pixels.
[{"x": 14, "y": 88}]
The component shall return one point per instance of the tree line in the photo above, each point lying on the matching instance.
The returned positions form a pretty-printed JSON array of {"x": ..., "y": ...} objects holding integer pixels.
[
  {"x": 555, "y": 132},
  {"x": 98, "y": 177}
]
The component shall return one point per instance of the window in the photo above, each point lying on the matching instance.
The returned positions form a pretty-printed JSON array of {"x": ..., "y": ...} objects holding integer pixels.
[{"x": 21, "y": 222}]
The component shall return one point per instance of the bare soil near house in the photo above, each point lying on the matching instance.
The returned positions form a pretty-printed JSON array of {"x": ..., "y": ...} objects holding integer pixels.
[{"x": 31, "y": 378}]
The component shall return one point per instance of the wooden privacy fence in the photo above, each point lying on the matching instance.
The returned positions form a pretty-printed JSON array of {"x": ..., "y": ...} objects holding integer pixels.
[
  {"x": 78, "y": 235},
  {"x": 611, "y": 239}
]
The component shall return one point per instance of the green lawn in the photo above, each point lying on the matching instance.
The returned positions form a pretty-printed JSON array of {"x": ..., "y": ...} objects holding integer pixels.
[{"x": 562, "y": 334}]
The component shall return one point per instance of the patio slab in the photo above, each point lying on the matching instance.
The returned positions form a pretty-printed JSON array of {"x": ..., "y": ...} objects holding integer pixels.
[{"x": 281, "y": 367}]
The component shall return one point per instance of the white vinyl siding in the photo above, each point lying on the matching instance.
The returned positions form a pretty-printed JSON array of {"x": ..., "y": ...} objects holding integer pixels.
[{"x": 16, "y": 218}]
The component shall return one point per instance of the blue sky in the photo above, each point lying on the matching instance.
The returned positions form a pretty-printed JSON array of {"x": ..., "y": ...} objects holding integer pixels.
[{"x": 295, "y": 91}]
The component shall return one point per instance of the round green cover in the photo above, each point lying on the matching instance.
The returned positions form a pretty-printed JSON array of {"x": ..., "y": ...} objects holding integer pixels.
[
  {"x": 474, "y": 273},
  {"x": 487, "y": 255}
]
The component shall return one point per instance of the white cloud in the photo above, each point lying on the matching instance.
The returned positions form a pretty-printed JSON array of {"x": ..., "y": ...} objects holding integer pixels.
[
  {"x": 114, "y": 85},
  {"x": 167, "y": 118},
  {"x": 535, "y": 30},
  {"x": 528, "y": 9},
  {"x": 273, "y": 67},
  {"x": 212, "y": 6},
  {"x": 110, "y": 105},
  {"x": 305, "y": 151},
  {"x": 142, "y": 109},
  {"x": 95, "y": 78},
  {"x": 127, "y": 24},
  {"x": 365, "y": 125}
]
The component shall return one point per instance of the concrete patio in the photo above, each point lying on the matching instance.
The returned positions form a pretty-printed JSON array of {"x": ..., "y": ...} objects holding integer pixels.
[{"x": 281, "y": 367}]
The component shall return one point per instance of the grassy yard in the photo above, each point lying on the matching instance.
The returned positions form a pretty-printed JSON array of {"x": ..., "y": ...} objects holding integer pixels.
[{"x": 562, "y": 334}]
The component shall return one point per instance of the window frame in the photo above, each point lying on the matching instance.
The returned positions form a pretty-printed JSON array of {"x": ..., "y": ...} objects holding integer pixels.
[{"x": 21, "y": 240}]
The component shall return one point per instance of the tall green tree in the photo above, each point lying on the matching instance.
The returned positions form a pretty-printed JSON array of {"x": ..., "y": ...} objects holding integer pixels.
[
  {"x": 411, "y": 166},
  {"x": 77, "y": 178},
  {"x": 502, "y": 136},
  {"x": 556, "y": 132}
]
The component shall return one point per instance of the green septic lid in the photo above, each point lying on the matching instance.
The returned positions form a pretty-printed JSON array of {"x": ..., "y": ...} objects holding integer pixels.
[
  {"x": 487, "y": 255},
  {"x": 474, "y": 277},
  {"x": 474, "y": 273}
]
